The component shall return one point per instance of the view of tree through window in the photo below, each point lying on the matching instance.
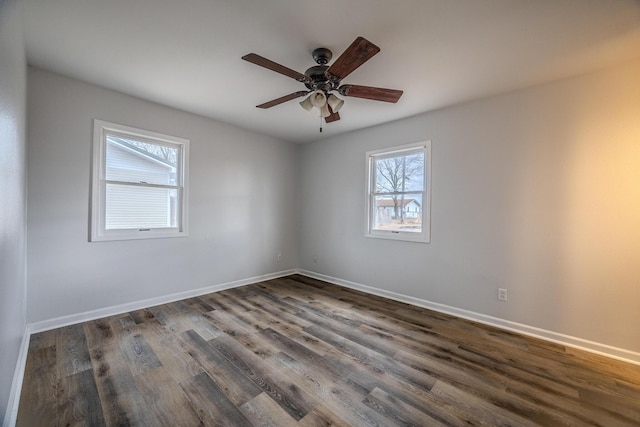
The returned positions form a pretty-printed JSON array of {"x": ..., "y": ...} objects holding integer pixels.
[
  {"x": 139, "y": 183},
  {"x": 399, "y": 180},
  {"x": 398, "y": 192},
  {"x": 168, "y": 154}
]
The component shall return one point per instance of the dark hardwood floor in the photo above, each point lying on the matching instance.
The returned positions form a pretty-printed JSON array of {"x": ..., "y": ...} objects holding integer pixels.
[{"x": 301, "y": 352}]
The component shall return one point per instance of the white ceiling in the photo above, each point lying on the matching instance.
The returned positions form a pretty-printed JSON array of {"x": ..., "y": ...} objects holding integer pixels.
[{"x": 186, "y": 53}]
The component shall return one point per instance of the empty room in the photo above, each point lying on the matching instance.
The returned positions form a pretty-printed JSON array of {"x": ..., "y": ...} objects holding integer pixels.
[{"x": 336, "y": 213}]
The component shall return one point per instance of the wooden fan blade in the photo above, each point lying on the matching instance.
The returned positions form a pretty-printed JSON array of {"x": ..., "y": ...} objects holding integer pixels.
[
  {"x": 273, "y": 66},
  {"x": 359, "y": 52},
  {"x": 333, "y": 117},
  {"x": 369, "y": 92},
  {"x": 282, "y": 99}
]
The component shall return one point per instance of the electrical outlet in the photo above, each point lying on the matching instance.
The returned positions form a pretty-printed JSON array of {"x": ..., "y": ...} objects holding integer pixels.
[
  {"x": 315, "y": 259},
  {"x": 279, "y": 257},
  {"x": 502, "y": 294}
]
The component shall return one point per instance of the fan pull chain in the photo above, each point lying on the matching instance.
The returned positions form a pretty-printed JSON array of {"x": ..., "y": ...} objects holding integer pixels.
[{"x": 320, "y": 123}]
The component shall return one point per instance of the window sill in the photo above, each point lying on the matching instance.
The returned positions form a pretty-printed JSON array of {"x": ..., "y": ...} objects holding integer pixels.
[
  {"x": 399, "y": 236},
  {"x": 137, "y": 235}
]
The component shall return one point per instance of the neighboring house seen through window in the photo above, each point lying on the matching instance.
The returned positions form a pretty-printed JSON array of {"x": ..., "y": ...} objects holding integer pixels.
[
  {"x": 398, "y": 193},
  {"x": 139, "y": 183}
]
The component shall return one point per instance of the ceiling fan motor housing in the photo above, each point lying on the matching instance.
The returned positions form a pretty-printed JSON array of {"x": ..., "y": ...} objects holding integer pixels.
[
  {"x": 322, "y": 55},
  {"x": 320, "y": 79}
]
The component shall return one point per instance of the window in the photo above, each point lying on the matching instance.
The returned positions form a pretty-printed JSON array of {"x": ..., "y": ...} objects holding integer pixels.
[
  {"x": 398, "y": 193},
  {"x": 139, "y": 182}
]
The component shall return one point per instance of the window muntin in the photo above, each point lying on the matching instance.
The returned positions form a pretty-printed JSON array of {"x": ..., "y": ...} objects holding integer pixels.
[
  {"x": 139, "y": 184},
  {"x": 398, "y": 193}
]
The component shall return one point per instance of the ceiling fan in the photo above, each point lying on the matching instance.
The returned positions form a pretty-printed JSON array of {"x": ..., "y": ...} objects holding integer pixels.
[{"x": 322, "y": 79}]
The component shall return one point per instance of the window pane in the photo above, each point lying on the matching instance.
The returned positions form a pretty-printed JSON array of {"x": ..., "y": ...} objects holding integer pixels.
[
  {"x": 133, "y": 207},
  {"x": 399, "y": 213},
  {"x": 137, "y": 161},
  {"x": 399, "y": 173}
]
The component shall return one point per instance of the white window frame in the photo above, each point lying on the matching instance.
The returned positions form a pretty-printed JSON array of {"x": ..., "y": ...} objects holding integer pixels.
[
  {"x": 425, "y": 235},
  {"x": 99, "y": 232}
]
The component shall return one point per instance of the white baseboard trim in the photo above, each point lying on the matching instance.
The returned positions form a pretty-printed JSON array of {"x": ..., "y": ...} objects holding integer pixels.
[
  {"x": 72, "y": 319},
  {"x": 11, "y": 415},
  {"x": 567, "y": 340}
]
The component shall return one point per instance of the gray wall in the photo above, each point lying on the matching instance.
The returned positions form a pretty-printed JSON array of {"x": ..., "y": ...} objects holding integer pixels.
[
  {"x": 12, "y": 194},
  {"x": 537, "y": 191},
  {"x": 242, "y": 204}
]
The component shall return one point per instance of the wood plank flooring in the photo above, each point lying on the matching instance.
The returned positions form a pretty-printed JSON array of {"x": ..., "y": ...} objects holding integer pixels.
[{"x": 300, "y": 352}]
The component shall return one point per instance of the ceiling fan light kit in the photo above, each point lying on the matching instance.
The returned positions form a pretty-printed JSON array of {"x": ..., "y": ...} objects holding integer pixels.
[
  {"x": 323, "y": 79},
  {"x": 322, "y": 102}
]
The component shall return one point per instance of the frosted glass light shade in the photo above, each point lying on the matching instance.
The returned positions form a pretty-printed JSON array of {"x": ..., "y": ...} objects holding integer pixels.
[
  {"x": 306, "y": 103},
  {"x": 324, "y": 110},
  {"x": 318, "y": 99},
  {"x": 335, "y": 103}
]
